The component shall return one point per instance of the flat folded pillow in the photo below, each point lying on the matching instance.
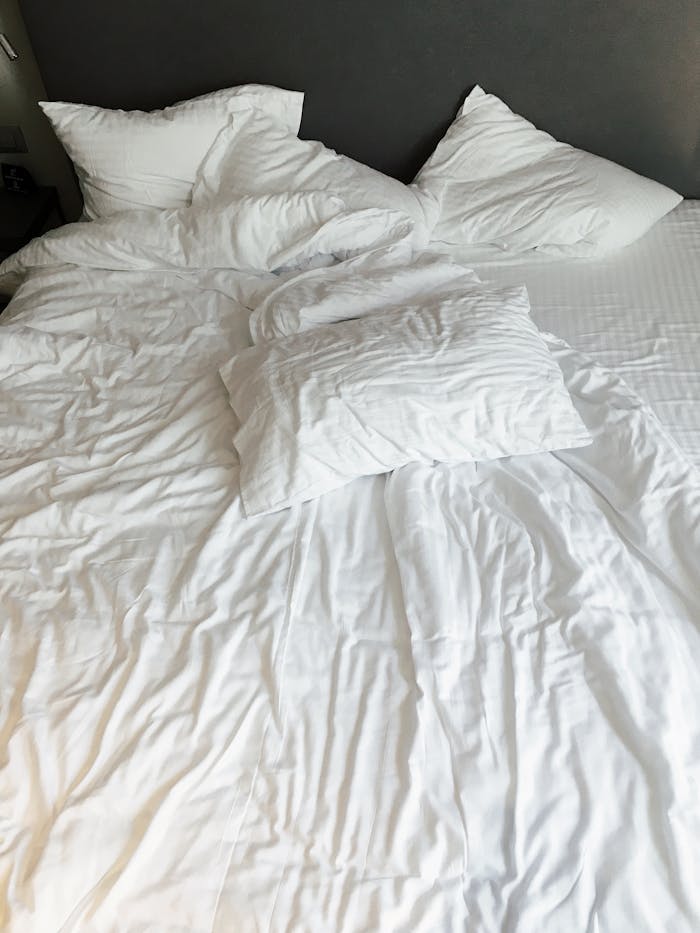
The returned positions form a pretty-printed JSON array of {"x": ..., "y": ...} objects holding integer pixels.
[
  {"x": 461, "y": 379},
  {"x": 372, "y": 282},
  {"x": 133, "y": 159},
  {"x": 501, "y": 181},
  {"x": 255, "y": 155}
]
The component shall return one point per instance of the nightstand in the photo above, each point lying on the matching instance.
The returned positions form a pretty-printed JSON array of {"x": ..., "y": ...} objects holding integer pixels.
[{"x": 24, "y": 216}]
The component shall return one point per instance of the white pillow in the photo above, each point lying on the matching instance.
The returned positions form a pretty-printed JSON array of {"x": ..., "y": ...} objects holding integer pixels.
[
  {"x": 132, "y": 159},
  {"x": 385, "y": 278},
  {"x": 253, "y": 155},
  {"x": 501, "y": 181},
  {"x": 467, "y": 378}
]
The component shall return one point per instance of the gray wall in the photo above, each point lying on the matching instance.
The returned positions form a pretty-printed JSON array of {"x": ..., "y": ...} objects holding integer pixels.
[
  {"x": 383, "y": 78},
  {"x": 20, "y": 89}
]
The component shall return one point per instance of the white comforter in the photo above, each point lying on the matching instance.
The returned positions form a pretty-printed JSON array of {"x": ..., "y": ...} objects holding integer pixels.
[{"x": 449, "y": 699}]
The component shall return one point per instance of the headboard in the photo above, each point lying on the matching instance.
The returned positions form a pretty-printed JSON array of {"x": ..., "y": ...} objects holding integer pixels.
[{"x": 384, "y": 77}]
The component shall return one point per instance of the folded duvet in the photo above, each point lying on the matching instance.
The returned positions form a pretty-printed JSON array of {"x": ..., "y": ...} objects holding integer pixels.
[
  {"x": 251, "y": 234},
  {"x": 457, "y": 698}
]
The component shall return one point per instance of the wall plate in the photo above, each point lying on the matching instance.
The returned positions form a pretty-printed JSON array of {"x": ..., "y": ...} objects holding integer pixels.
[{"x": 17, "y": 178}]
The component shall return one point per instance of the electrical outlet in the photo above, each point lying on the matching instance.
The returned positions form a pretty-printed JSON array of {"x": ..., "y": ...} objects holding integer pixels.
[{"x": 12, "y": 139}]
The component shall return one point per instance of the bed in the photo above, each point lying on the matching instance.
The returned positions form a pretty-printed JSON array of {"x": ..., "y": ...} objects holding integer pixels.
[{"x": 456, "y": 692}]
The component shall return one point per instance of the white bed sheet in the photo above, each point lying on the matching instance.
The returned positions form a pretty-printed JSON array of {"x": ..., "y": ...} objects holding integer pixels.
[
  {"x": 636, "y": 312},
  {"x": 454, "y": 699}
]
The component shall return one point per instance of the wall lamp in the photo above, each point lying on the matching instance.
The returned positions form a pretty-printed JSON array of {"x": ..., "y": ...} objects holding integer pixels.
[{"x": 8, "y": 48}]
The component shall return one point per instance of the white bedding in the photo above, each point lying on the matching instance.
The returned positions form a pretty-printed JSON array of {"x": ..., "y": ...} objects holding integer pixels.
[
  {"x": 637, "y": 312},
  {"x": 451, "y": 699}
]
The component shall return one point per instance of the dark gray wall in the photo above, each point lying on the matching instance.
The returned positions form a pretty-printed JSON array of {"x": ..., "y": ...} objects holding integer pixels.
[
  {"x": 20, "y": 89},
  {"x": 384, "y": 77}
]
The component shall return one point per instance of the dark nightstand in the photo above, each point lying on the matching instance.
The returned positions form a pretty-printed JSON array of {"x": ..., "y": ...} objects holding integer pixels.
[{"x": 24, "y": 216}]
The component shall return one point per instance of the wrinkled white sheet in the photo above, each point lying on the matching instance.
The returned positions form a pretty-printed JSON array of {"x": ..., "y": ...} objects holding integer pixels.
[
  {"x": 636, "y": 312},
  {"x": 459, "y": 699},
  {"x": 269, "y": 232}
]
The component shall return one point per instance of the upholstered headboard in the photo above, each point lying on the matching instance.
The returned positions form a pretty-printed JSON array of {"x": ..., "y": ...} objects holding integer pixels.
[{"x": 384, "y": 77}]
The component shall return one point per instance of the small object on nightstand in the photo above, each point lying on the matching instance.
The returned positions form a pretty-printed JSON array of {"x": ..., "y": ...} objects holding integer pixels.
[
  {"x": 17, "y": 179},
  {"x": 24, "y": 216}
]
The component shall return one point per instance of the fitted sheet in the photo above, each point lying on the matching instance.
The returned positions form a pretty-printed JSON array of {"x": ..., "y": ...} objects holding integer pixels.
[{"x": 637, "y": 312}]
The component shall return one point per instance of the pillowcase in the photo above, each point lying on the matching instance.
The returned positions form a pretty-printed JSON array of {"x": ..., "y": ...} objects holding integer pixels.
[
  {"x": 466, "y": 378},
  {"x": 501, "y": 181},
  {"x": 254, "y": 155},
  {"x": 132, "y": 159},
  {"x": 385, "y": 278}
]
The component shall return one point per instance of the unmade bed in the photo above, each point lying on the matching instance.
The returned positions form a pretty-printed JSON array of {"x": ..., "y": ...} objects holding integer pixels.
[
  {"x": 445, "y": 698},
  {"x": 349, "y": 530}
]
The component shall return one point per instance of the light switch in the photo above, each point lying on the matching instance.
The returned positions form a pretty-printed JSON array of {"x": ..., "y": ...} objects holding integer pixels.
[{"x": 12, "y": 139}]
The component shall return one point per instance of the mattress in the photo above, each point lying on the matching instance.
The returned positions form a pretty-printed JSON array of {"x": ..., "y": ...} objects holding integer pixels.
[{"x": 636, "y": 312}]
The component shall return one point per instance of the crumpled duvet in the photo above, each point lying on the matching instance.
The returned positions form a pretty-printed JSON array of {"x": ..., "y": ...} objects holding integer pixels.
[
  {"x": 249, "y": 234},
  {"x": 447, "y": 699}
]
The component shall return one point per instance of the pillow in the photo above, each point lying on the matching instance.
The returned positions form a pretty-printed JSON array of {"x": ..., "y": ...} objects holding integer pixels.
[
  {"x": 254, "y": 155},
  {"x": 127, "y": 159},
  {"x": 501, "y": 181},
  {"x": 371, "y": 282},
  {"x": 466, "y": 378}
]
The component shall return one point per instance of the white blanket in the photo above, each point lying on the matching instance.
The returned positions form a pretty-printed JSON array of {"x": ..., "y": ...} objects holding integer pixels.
[{"x": 459, "y": 699}]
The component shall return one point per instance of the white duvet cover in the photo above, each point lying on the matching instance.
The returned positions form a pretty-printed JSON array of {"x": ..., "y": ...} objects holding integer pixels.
[{"x": 447, "y": 699}]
